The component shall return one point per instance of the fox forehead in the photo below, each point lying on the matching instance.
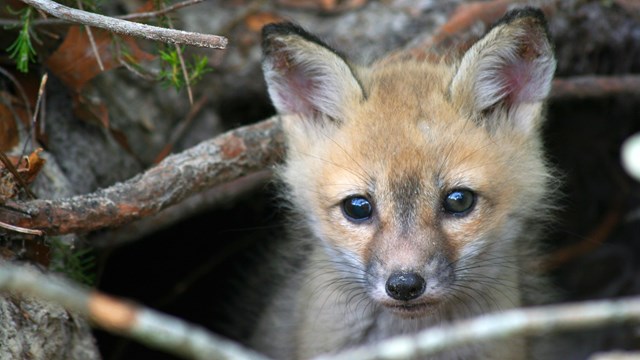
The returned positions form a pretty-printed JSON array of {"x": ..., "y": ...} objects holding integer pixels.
[{"x": 407, "y": 125}]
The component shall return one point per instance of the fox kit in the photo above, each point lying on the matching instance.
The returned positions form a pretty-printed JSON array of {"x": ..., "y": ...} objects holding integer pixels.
[{"x": 418, "y": 188}]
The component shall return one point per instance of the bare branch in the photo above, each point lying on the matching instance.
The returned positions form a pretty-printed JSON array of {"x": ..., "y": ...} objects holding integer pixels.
[
  {"x": 145, "y": 325},
  {"x": 227, "y": 157},
  {"x": 134, "y": 16},
  {"x": 580, "y": 87},
  {"x": 506, "y": 324},
  {"x": 129, "y": 28}
]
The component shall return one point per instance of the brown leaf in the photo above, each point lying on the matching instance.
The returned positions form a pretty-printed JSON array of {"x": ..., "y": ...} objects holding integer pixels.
[
  {"x": 256, "y": 21},
  {"x": 32, "y": 166},
  {"x": 74, "y": 62},
  {"x": 9, "y": 136}
]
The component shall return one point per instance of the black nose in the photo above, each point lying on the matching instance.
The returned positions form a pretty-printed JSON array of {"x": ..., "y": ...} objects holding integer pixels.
[{"x": 405, "y": 285}]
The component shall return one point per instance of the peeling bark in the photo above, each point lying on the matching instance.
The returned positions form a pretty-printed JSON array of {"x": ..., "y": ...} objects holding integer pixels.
[{"x": 213, "y": 162}]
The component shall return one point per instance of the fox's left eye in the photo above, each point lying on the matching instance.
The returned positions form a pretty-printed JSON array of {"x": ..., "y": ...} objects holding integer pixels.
[
  {"x": 357, "y": 208},
  {"x": 459, "y": 202}
]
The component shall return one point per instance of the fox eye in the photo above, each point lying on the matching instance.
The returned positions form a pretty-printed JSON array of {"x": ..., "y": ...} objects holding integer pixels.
[
  {"x": 459, "y": 202},
  {"x": 357, "y": 208}
]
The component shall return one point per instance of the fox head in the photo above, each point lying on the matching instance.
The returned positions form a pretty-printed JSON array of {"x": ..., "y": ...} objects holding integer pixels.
[{"x": 419, "y": 178}]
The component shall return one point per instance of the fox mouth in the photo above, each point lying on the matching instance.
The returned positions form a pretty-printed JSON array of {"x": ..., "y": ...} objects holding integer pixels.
[{"x": 412, "y": 310}]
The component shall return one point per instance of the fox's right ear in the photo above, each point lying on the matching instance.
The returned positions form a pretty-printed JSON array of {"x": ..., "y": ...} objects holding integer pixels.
[{"x": 304, "y": 75}]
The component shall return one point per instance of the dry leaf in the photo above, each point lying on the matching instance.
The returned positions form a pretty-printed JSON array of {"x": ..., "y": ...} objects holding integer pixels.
[
  {"x": 256, "y": 21},
  {"x": 27, "y": 168},
  {"x": 74, "y": 62},
  {"x": 32, "y": 166},
  {"x": 9, "y": 136}
]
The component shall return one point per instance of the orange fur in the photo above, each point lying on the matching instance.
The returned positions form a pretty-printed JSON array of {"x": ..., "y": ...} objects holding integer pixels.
[{"x": 404, "y": 136}]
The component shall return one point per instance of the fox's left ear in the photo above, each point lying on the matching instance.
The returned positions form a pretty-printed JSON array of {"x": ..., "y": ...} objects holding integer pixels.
[{"x": 507, "y": 74}]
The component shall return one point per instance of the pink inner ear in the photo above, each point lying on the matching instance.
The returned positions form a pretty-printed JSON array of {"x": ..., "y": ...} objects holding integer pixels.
[
  {"x": 520, "y": 85},
  {"x": 300, "y": 92}
]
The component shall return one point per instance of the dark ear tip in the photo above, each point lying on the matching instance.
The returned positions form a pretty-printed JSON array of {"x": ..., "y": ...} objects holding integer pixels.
[
  {"x": 281, "y": 28},
  {"x": 274, "y": 30},
  {"x": 528, "y": 12}
]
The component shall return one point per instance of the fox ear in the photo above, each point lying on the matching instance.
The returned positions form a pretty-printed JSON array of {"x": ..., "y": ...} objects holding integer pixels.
[
  {"x": 304, "y": 75},
  {"x": 507, "y": 74}
]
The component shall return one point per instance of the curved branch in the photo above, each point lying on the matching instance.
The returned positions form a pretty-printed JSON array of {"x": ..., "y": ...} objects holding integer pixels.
[
  {"x": 145, "y": 325},
  {"x": 222, "y": 159},
  {"x": 516, "y": 322},
  {"x": 124, "y": 27}
]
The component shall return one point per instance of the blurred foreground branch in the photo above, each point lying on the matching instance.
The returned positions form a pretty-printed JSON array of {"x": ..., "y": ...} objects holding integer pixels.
[
  {"x": 124, "y": 27},
  {"x": 178, "y": 337},
  {"x": 145, "y": 325},
  {"x": 510, "y": 323}
]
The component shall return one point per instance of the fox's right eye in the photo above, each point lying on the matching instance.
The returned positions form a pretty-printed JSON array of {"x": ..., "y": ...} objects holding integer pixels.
[{"x": 357, "y": 208}]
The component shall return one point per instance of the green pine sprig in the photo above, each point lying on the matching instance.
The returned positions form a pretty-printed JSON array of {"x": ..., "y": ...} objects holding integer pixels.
[
  {"x": 171, "y": 74},
  {"x": 21, "y": 50}
]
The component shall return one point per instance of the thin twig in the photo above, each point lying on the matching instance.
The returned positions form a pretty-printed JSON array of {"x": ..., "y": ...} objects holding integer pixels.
[
  {"x": 517, "y": 322},
  {"x": 129, "y": 28},
  {"x": 92, "y": 41},
  {"x": 21, "y": 229},
  {"x": 145, "y": 325},
  {"x": 183, "y": 67},
  {"x": 180, "y": 129},
  {"x": 34, "y": 119}
]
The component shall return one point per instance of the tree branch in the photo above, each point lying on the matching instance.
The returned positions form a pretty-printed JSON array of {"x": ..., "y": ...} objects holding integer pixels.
[
  {"x": 227, "y": 157},
  {"x": 178, "y": 337},
  {"x": 124, "y": 27},
  {"x": 145, "y": 325},
  {"x": 133, "y": 16},
  {"x": 590, "y": 86},
  {"x": 516, "y": 322}
]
